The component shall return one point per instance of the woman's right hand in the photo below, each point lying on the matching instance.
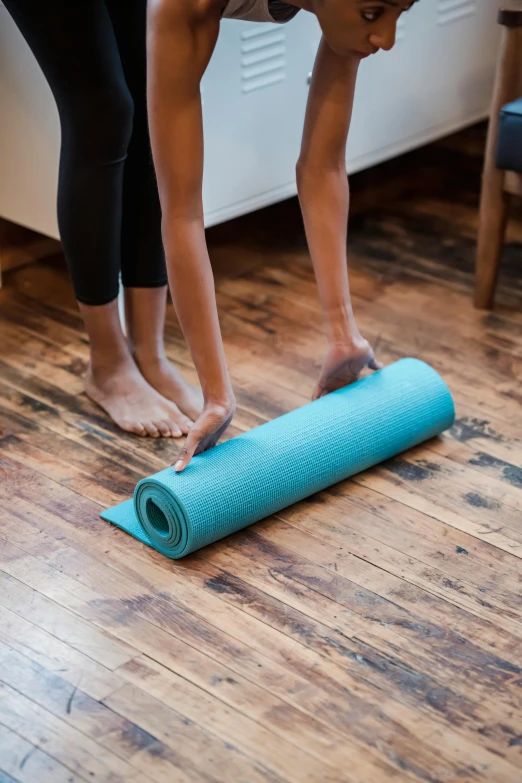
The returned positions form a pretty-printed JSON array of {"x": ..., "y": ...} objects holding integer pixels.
[{"x": 206, "y": 430}]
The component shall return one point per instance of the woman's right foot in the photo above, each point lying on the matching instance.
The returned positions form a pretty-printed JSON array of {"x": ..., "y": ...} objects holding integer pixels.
[{"x": 132, "y": 403}]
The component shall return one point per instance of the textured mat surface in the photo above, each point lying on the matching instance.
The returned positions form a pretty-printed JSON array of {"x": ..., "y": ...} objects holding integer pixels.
[{"x": 262, "y": 471}]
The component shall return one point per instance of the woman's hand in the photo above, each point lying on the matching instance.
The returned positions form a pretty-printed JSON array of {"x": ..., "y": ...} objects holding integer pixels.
[
  {"x": 207, "y": 430},
  {"x": 343, "y": 365}
]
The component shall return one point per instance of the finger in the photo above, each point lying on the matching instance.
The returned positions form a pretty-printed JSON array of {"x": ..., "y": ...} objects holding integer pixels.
[
  {"x": 209, "y": 440},
  {"x": 318, "y": 392},
  {"x": 187, "y": 452},
  {"x": 182, "y": 461},
  {"x": 375, "y": 365}
]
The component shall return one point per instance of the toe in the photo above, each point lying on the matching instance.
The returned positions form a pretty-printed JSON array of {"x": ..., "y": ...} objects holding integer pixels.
[
  {"x": 164, "y": 428},
  {"x": 176, "y": 430},
  {"x": 135, "y": 427},
  {"x": 151, "y": 428},
  {"x": 184, "y": 425},
  {"x": 179, "y": 423}
]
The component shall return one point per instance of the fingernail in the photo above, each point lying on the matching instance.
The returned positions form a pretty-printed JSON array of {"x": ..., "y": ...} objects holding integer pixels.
[{"x": 179, "y": 464}]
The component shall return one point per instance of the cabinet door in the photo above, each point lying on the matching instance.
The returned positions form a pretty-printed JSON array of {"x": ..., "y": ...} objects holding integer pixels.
[
  {"x": 437, "y": 78},
  {"x": 254, "y": 97},
  {"x": 29, "y": 135}
]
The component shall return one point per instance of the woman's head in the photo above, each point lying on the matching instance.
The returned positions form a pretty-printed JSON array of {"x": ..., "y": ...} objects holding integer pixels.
[{"x": 360, "y": 27}]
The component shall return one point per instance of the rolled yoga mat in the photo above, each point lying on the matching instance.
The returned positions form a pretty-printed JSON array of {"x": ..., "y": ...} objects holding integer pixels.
[{"x": 285, "y": 460}]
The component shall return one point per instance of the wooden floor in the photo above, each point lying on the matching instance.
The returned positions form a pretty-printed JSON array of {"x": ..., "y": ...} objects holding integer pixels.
[{"x": 370, "y": 634}]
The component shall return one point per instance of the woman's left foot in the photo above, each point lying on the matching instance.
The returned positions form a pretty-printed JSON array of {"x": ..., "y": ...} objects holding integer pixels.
[{"x": 168, "y": 381}]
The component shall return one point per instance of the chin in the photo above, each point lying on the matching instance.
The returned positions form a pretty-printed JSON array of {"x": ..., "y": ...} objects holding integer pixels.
[{"x": 341, "y": 49}]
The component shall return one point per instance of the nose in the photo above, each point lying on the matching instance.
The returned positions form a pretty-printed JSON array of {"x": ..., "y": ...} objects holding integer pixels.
[{"x": 384, "y": 38}]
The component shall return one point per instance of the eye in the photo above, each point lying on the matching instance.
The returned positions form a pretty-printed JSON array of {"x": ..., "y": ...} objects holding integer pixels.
[{"x": 372, "y": 15}]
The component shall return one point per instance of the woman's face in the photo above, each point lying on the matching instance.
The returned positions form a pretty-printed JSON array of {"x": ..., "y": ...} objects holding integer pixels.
[{"x": 360, "y": 27}]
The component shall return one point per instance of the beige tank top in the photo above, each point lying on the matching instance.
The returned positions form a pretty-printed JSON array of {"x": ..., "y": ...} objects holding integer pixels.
[{"x": 259, "y": 10}]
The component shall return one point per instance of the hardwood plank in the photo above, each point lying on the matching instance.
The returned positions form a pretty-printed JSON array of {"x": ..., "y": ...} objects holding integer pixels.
[
  {"x": 423, "y": 607},
  {"x": 100, "y": 721},
  {"x": 481, "y": 520},
  {"x": 298, "y": 581},
  {"x": 481, "y": 461},
  {"x": 94, "y": 720},
  {"x": 127, "y": 622},
  {"x": 28, "y": 763},
  {"x": 215, "y": 760},
  {"x": 426, "y": 760},
  {"x": 360, "y": 535},
  {"x": 160, "y": 644},
  {"x": 51, "y": 652},
  {"x": 5, "y": 778},
  {"x": 267, "y": 304},
  {"x": 68, "y": 746},
  {"x": 20, "y": 246}
]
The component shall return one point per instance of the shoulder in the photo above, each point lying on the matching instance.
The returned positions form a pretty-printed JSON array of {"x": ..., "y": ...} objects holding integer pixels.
[{"x": 194, "y": 11}]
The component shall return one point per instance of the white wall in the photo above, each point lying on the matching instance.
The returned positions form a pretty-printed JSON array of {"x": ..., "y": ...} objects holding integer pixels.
[{"x": 437, "y": 79}]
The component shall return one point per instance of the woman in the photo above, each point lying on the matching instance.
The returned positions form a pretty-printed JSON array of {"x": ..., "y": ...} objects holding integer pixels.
[
  {"x": 92, "y": 53},
  {"x": 181, "y": 39}
]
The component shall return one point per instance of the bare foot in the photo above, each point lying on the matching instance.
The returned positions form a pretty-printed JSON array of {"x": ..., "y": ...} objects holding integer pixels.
[
  {"x": 132, "y": 403},
  {"x": 165, "y": 378}
]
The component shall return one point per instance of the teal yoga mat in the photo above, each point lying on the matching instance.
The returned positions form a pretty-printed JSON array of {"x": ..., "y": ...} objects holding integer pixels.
[{"x": 263, "y": 471}]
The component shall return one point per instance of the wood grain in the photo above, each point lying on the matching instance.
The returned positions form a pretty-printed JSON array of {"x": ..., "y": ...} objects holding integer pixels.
[
  {"x": 371, "y": 633},
  {"x": 20, "y": 246}
]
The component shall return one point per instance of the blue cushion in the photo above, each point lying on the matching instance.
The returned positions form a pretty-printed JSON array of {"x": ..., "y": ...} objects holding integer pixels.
[{"x": 509, "y": 150}]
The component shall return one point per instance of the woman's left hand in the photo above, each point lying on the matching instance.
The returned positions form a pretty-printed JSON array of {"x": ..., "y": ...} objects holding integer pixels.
[{"x": 344, "y": 364}]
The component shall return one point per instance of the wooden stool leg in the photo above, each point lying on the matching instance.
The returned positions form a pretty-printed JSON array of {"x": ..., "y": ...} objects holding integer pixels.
[
  {"x": 494, "y": 200},
  {"x": 494, "y": 208}
]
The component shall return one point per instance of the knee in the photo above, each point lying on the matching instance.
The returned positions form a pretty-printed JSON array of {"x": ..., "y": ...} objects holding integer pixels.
[{"x": 98, "y": 125}]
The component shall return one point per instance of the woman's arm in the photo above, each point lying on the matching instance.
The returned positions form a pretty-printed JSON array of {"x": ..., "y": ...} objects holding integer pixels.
[
  {"x": 180, "y": 40},
  {"x": 324, "y": 197}
]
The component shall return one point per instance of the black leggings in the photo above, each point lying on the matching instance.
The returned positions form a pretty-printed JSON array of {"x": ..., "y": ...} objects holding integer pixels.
[{"x": 92, "y": 53}]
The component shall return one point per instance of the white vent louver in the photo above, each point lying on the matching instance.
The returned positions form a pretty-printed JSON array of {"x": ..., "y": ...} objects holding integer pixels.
[
  {"x": 453, "y": 10},
  {"x": 263, "y": 58}
]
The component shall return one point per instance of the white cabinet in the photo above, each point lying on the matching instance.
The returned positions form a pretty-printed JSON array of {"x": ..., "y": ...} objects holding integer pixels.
[
  {"x": 254, "y": 97},
  {"x": 29, "y": 136},
  {"x": 438, "y": 78}
]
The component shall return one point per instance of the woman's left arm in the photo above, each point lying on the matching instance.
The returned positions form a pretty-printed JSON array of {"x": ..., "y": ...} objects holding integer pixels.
[{"x": 324, "y": 197}]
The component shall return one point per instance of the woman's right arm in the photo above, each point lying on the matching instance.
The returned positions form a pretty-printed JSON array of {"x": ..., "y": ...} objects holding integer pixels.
[{"x": 181, "y": 37}]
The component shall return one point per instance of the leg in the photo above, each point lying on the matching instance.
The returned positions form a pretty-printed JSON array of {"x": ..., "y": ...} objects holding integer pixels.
[
  {"x": 494, "y": 200},
  {"x": 115, "y": 383},
  {"x": 145, "y": 314},
  {"x": 76, "y": 50},
  {"x": 494, "y": 207},
  {"x": 75, "y": 46},
  {"x": 144, "y": 273}
]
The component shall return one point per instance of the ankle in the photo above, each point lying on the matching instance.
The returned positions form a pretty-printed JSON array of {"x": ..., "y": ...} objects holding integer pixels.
[
  {"x": 109, "y": 361},
  {"x": 149, "y": 355}
]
